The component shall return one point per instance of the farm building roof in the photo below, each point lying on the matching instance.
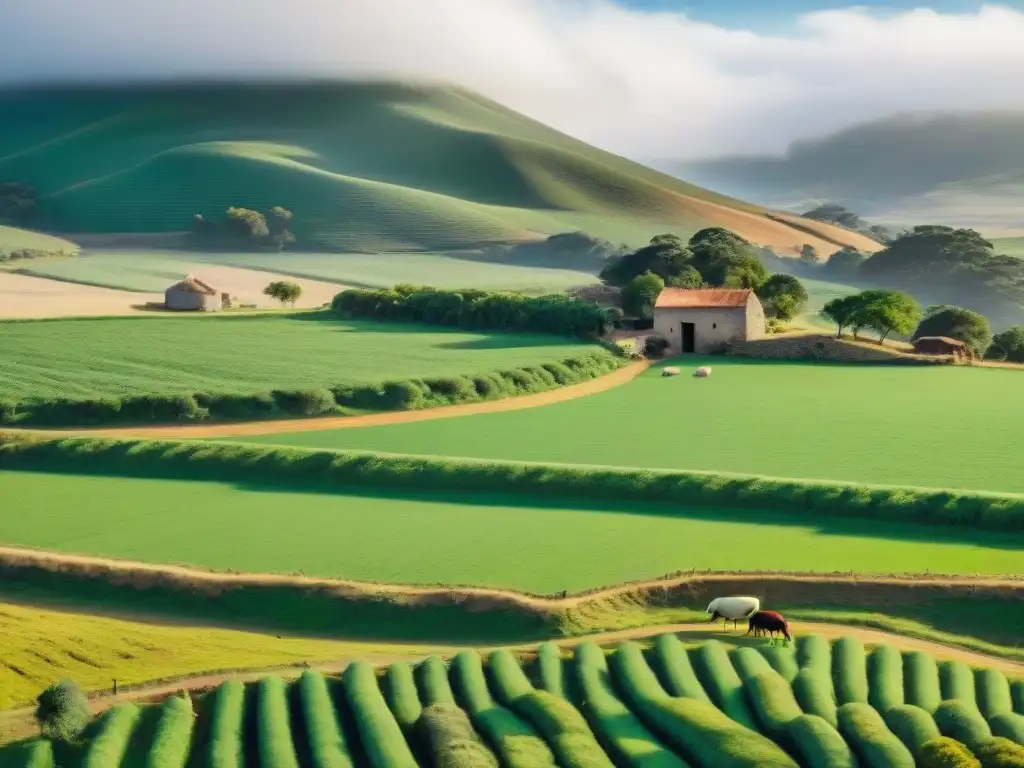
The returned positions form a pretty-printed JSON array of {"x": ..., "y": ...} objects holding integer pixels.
[
  {"x": 195, "y": 285},
  {"x": 943, "y": 339},
  {"x": 702, "y": 298}
]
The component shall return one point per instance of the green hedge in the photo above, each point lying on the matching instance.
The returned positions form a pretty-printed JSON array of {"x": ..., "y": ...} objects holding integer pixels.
[
  {"x": 962, "y": 721},
  {"x": 397, "y": 395},
  {"x": 868, "y": 735},
  {"x": 944, "y": 752},
  {"x": 913, "y": 725},
  {"x": 819, "y": 744},
  {"x": 343, "y": 469},
  {"x": 1000, "y": 753}
]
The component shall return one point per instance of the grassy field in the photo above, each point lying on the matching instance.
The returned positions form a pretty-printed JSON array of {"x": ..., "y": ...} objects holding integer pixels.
[
  {"x": 461, "y": 539},
  {"x": 365, "y": 166},
  {"x": 940, "y": 427},
  {"x": 83, "y": 358},
  {"x": 12, "y": 238},
  {"x": 43, "y": 645},
  {"x": 1013, "y": 246},
  {"x": 148, "y": 271},
  {"x": 708, "y": 704}
]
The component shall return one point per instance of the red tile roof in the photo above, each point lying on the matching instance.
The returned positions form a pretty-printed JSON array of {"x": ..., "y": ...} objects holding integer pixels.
[{"x": 702, "y": 298}]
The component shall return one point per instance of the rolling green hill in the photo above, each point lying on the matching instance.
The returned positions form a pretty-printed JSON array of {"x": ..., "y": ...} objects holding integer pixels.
[
  {"x": 962, "y": 169},
  {"x": 365, "y": 166},
  {"x": 14, "y": 239}
]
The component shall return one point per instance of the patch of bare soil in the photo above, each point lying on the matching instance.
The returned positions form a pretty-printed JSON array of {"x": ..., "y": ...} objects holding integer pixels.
[
  {"x": 24, "y": 296},
  {"x": 248, "y": 285}
]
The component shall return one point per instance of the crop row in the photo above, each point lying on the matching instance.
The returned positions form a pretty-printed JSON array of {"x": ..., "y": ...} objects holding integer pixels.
[{"x": 664, "y": 706}]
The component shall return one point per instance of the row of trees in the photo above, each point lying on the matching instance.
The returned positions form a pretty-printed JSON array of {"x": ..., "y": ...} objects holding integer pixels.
[
  {"x": 245, "y": 228},
  {"x": 833, "y": 213},
  {"x": 881, "y": 311}
]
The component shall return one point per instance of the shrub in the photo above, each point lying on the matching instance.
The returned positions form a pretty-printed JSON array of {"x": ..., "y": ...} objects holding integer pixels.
[
  {"x": 819, "y": 744},
  {"x": 402, "y": 395},
  {"x": 402, "y": 696},
  {"x": 956, "y": 681},
  {"x": 655, "y": 346},
  {"x": 549, "y": 662},
  {"x": 1008, "y": 725},
  {"x": 885, "y": 672},
  {"x": 946, "y": 753},
  {"x": 992, "y": 691},
  {"x": 228, "y": 405},
  {"x": 849, "y": 670},
  {"x": 711, "y": 663},
  {"x": 433, "y": 682},
  {"x": 451, "y": 738},
  {"x": 782, "y": 660},
  {"x": 1008, "y": 345},
  {"x": 324, "y": 735},
  {"x": 673, "y": 663},
  {"x": 275, "y": 737},
  {"x": 913, "y": 725},
  {"x": 921, "y": 680},
  {"x": 956, "y": 323},
  {"x": 379, "y": 732},
  {"x": 748, "y": 662},
  {"x": 1000, "y": 753},
  {"x": 110, "y": 745},
  {"x": 305, "y": 402},
  {"x": 813, "y": 690},
  {"x": 227, "y": 726},
  {"x": 962, "y": 721},
  {"x": 8, "y": 412},
  {"x": 62, "y": 711},
  {"x": 173, "y": 734},
  {"x": 772, "y": 701},
  {"x": 866, "y": 732},
  {"x": 162, "y": 408},
  {"x": 451, "y": 390}
]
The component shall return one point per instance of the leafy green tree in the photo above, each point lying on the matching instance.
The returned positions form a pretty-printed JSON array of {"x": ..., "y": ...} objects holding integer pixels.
[
  {"x": 726, "y": 260},
  {"x": 809, "y": 254},
  {"x": 640, "y": 293},
  {"x": 687, "y": 278},
  {"x": 246, "y": 224},
  {"x": 666, "y": 256},
  {"x": 783, "y": 297},
  {"x": 279, "y": 222},
  {"x": 62, "y": 711},
  {"x": 844, "y": 264},
  {"x": 1008, "y": 345},
  {"x": 842, "y": 312},
  {"x": 283, "y": 291},
  {"x": 885, "y": 312},
  {"x": 833, "y": 213},
  {"x": 956, "y": 323}
]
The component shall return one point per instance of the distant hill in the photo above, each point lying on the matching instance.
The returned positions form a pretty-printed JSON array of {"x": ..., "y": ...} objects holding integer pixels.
[
  {"x": 365, "y": 166},
  {"x": 955, "y": 169}
]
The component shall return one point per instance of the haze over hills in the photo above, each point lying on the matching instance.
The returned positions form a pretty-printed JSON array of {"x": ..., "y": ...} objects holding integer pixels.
[
  {"x": 957, "y": 169},
  {"x": 364, "y": 166}
]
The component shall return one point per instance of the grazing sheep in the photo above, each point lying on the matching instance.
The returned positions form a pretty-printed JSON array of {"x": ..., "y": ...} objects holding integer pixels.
[
  {"x": 669, "y": 371},
  {"x": 733, "y": 608},
  {"x": 703, "y": 371}
]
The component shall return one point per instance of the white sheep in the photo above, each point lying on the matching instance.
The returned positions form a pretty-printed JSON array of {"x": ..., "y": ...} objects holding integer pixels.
[
  {"x": 733, "y": 608},
  {"x": 670, "y": 371},
  {"x": 703, "y": 371}
]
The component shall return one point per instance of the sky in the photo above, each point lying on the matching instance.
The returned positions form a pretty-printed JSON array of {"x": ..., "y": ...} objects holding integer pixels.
[{"x": 652, "y": 79}]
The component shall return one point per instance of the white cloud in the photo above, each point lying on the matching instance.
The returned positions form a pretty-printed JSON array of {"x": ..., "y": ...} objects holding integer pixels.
[{"x": 643, "y": 83}]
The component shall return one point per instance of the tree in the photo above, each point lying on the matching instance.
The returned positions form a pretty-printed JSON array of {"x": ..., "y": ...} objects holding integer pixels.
[
  {"x": 726, "y": 260},
  {"x": 246, "y": 224},
  {"x": 1008, "y": 345},
  {"x": 956, "y": 323},
  {"x": 842, "y": 312},
  {"x": 885, "y": 312},
  {"x": 640, "y": 293},
  {"x": 687, "y": 278},
  {"x": 62, "y": 711},
  {"x": 666, "y": 256},
  {"x": 809, "y": 254},
  {"x": 285, "y": 292},
  {"x": 279, "y": 221},
  {"x": 783, "y": 297},
  {"x": 844, "y": 264},
  {"x": 833, "y": 213}
]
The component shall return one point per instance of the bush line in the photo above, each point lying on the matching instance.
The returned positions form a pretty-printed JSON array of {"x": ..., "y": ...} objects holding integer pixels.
[
  {"x": 358, "y": 469},
  {"x": 393, "y": 395}
]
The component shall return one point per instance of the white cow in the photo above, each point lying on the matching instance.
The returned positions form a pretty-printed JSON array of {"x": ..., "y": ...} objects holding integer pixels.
[{"x": 733, "y": 608}]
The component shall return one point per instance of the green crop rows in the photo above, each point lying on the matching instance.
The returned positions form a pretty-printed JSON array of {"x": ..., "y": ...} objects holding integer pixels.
[{"x": 664, "y": 706}]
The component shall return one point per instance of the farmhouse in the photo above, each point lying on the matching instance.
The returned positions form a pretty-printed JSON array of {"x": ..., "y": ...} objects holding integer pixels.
[
  {"x": 705, "y": 319},
  {"x": 193, "y": 294}
]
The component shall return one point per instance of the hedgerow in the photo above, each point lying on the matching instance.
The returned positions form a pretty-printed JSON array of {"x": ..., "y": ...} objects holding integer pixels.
[
  {"x": 627, "y": 740},
  {"x": 1008, "y": 725},
  {"x": 276, "y": 748},
  {"x": 227, "y": 726},
  {"x": 324, "y": 734},
  {"x": 885, "y": 677},
  {"x": 37, "y": 753},
  {"x": 511, "y": 738},
  {"x": 1000, "y": 753},
  {"x": 944, "y": 752},
  {"x": 402, "y": 696},
  {"x": 814, "y": 651},
  {"x": 866, "y": 732},
  {"x": 956, "y": 681},
  {"x": 379, "y": 732},
  {"x": 714, "y": 669},
  {"x": 921, "y": 680},
  {"x": 549, "y": 663},
  {"x": 433, "y": 682},
  {"x": 173, "y": 734},
  {"x": 676, "y": 672},
  {"x": 773, "y": 704},
  {"x": 223, "y": 461},
  {"x": 109, "y": 747},
  {"x": 748, "y": 662},
  {"x": 703, "y": 734},
  {"x": 912, "y": 725},
  {"x": 819, "y": 743},
  {"x": 813, "y": 690},
  {"x": 849, "y": 670},
  {"x": 962, "y": 721},
  {"x": 783, "y": 660},
  {"x": 992, "y": 692},
  {"x": 407, "y": 394},
  {"x": 1017, "y": 694},
  {"x": 451, "y": 740}
]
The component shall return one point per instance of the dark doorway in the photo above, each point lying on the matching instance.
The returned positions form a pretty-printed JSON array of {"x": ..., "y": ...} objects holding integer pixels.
[{"x": 689, "y": 335}]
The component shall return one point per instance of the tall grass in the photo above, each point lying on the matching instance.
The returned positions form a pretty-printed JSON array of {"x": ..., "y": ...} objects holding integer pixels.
[
  {"x": 921, "y": 680},
  {"x": 677, "y": 674},
  {"x": 324, "y": 733},
  {"x": 511, "y": 738},
  {"x": 173, "y": 737},
  {"x": 227, "y": 728},
  {"x": 962, "y": 721},
  {"x": 276, "y": 748},
  {"x": 379, "y": 732},
  {"x": 876, "y": 746},
  {"x": 717, "y": 675},
  {"x": 912, "y": 725},
  {"x": 402, "y": 696},
  {"x": 451, "y": 740},
  {"x": 432, "y": 674},
  {"x": 849, "y": 670},
  {"x": 110, "y": 745},
  {"x": 549, "y": 662},
  {"x": 885, "y": 674},
  {"x": 817, "y": 743},
  {"x": 992, "y": 691},
  {"x": 700, "y": 732},
  {"x": 241, "y": 462},
  {"x": 562, "y": 726}
]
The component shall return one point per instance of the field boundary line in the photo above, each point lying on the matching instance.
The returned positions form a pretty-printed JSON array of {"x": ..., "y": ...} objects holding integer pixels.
[{"x": 283, "y": 426}]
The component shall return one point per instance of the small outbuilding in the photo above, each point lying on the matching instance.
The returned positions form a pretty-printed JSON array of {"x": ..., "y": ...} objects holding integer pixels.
[
  {"x": 943, "y": 345},
  {"x": 706, "y": 319},
  {"x": 192, "y": 294}
]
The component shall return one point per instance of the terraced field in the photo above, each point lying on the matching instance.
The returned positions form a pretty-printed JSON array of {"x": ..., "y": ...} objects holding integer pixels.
[
  {"x": 863, "y": 424},
  {"x": 667, "y": 705}
]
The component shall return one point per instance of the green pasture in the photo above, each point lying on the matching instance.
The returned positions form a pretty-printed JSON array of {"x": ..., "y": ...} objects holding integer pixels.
[
  {"x": 460, "y": 539},
  {"x": 1012, "y": 246},
  {"x": 92, "y": 357},
  {"x": 151, "y": 271},
  {"x": 12, "y": 239},
  {"x": 931, "y": 426}
]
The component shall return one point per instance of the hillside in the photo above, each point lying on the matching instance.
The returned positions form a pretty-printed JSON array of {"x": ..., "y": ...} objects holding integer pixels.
[
  {"x": 365, "y": 166},
  {"x": 956, "y": 169}
]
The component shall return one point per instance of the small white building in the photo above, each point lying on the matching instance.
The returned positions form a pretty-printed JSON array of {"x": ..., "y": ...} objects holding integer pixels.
[
  {"x": 704, "y": 319},
  {"x": 192, "y": 294}
]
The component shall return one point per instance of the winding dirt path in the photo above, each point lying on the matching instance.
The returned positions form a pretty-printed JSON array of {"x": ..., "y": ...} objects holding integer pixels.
[{"x": 282, "y": 426}]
